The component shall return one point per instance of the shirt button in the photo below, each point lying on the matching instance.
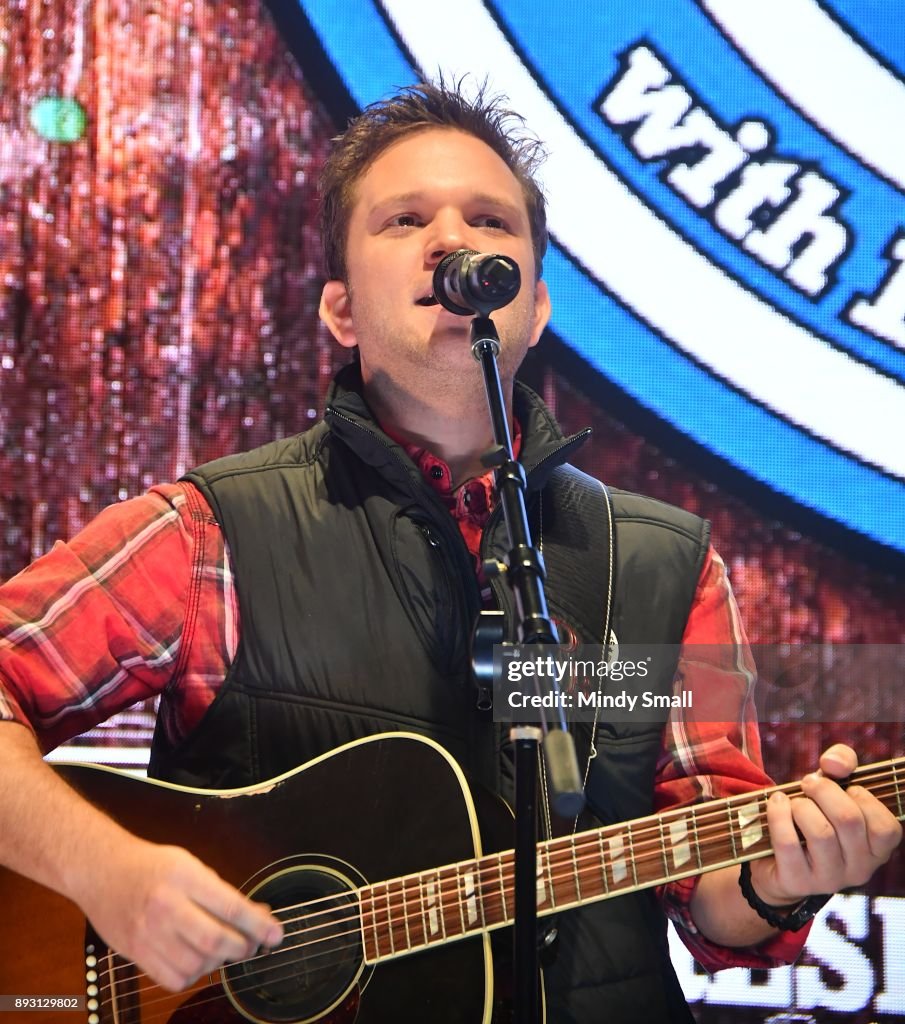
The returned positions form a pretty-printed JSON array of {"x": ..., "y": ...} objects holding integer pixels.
[{"x": 437, "y": 472}]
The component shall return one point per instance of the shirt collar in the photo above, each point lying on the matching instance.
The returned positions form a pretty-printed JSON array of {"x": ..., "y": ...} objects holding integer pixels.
[{"x": 474, "y": 497}]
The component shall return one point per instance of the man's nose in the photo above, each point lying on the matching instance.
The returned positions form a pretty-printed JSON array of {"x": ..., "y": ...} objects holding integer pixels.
[{"x": 448, "y": 234}]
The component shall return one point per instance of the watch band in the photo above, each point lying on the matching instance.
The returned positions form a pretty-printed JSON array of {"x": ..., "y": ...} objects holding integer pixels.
[{"x": 786, "y": 919}]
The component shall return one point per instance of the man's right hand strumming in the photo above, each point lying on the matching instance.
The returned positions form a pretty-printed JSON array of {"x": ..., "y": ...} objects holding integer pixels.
[{"x": 157, "y": 906}]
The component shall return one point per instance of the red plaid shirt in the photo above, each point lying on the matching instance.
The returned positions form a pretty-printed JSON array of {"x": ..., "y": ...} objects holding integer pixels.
[{"x": 142, "y": 603}]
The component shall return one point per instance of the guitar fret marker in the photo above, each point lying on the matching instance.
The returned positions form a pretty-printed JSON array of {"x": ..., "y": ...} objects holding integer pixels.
[
  {"x": 471, "y": 903},
  {"x": 422, "y": 902},
  {"x": 441, "y": 909},
  {"x": 681, "y": 848},
  {"x": 372, "y": 910},
  {"x": 386, "y": 893},
  {"x": 749, "y": 824},
  {"x": 550, "y": 876},
  {"x": 459, "y": 900},
  {"x": 576, "y": 869},
  {"x": 617, "y": 859},
  {"x": 541, "y": 886},
  {"x": 662, "y": 837},
  {"x": 480, "y": 892},
  {"x": 606, "y": 884},
  {"x": 697, "y": 841},
  {"x": 631, "y": 852},
  {"x": 432, "y": 918},
  {"x": 405, "y": 917},
  {"x": 503, "y": 888}
]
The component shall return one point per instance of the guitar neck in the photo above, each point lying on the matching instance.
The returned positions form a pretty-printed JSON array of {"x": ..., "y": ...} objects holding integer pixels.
[{"x": 453, "y": 902}]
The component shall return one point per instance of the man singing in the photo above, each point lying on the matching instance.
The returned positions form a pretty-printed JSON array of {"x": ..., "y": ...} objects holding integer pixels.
[{"x": 323, "y": 588}]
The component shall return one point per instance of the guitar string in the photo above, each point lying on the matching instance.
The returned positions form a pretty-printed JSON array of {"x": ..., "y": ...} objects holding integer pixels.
[
  {"x": 706, "y": 825},
  {"x": 562, "y": 848},
  {"x": 566, "y": 856},
  {"x": 280, "y": 968},
  {"x": 274, "y": 974},
  {"x": 274, "y": 969}
]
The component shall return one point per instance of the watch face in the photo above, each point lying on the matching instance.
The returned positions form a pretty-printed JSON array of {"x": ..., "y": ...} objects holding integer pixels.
[{"x": 727, "y": 208}]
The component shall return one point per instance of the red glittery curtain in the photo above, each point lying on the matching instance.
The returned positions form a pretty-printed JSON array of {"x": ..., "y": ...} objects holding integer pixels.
[{"x": 159, "y": 275}]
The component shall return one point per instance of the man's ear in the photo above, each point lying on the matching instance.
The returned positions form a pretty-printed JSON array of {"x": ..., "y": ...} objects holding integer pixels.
[
  {"x": 541, "y": 311},
  {"x": 336, "y": 312}
]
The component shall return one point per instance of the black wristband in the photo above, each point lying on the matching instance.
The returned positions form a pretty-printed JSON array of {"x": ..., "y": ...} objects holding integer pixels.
[{"x": 786, "y": 920}]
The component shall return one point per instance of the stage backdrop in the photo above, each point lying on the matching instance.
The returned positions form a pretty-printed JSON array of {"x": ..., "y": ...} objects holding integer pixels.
[{"x": 727, "y": 202}]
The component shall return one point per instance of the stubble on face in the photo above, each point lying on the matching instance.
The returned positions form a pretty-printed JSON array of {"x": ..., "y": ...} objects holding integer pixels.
[
  {"x": 425, "y": 196},
  {"x": 440, "y": 358}
]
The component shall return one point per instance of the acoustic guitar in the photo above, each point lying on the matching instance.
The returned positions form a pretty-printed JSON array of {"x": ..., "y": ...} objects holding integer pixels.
[{"x": 388, "y": 887}]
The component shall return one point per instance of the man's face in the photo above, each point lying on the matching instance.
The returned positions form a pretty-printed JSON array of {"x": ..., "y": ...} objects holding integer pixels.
[{"x": 428, "y": 195}]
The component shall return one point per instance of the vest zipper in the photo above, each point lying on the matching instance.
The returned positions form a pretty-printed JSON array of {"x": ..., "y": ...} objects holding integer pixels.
[
  {"x": 455, "y": 544},
  {"x": 497, "y": 584}
]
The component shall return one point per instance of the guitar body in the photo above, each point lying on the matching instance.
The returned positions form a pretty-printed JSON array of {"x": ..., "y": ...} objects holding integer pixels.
[
  {"x": 372, "y": 858},
  {"x": 383, "y": 807}
]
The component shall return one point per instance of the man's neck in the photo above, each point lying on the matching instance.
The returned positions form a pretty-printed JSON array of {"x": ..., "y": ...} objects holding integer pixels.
[{"x": 458, "y": 435}]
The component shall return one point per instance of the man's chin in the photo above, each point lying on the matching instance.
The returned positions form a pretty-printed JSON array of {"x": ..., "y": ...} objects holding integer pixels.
[{"x": 451, "y": 335}]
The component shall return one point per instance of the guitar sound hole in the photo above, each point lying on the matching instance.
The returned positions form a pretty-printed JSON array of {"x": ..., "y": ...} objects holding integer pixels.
[{"x": 320, "y": 959}]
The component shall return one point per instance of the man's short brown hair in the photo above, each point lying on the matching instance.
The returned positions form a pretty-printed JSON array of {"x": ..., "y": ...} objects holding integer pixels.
[{"x": 414, "y": 109}]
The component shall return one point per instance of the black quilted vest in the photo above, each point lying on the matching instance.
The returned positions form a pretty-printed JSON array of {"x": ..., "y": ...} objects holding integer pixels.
[{"x": 357, "y": 596}]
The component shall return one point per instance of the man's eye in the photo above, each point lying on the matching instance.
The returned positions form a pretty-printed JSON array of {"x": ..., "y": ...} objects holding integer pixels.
[
  {"x": 404, "y": 220},
  {"x": 495, "y": 223}
]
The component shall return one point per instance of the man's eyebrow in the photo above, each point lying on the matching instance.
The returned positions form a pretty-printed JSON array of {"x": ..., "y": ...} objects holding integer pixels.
[
  {"x": 478, "y": 199},
  {"x": 487, "y": 199},
  {"x": 399, "y": 199}
]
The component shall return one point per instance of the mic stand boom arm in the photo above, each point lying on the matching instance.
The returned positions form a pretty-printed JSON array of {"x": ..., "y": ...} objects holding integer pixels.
[{"x": 525, "y": 574}]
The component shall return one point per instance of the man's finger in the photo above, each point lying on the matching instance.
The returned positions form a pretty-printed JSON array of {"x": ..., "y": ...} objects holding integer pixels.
[
  {"x": 791, "y": 862},
  {"x": 822, "y": 846},
  {"x": 216, "y": 942},
  {"x": 227, "y": 904},
  {"x": 884, "y": 832},
  {"x": 844, "y": 814},
  {"x": 838, "y": 761}
]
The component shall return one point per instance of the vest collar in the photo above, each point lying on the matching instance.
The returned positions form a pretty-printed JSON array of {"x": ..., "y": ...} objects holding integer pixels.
[{"x": 544, "y": 447}]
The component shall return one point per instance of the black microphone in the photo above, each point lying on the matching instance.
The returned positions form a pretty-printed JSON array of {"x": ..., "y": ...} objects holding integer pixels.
[{"x": 475, "y": 283}]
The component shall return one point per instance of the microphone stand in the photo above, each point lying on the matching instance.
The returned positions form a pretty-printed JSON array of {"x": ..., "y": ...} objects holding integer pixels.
[{"x": 525, "y": 574}]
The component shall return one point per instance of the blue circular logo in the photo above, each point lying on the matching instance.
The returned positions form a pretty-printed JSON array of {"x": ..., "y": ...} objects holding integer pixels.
[{"x": 726, "y": 189}]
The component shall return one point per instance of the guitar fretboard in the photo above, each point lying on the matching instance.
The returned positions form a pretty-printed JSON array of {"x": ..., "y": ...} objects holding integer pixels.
[{"x": 406, "y": 914}]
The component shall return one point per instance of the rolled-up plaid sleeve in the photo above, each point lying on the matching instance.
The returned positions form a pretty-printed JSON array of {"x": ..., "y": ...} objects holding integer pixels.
[
  {"x": 710, "y": 760},
  {"x": 97, "y": 623}
]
